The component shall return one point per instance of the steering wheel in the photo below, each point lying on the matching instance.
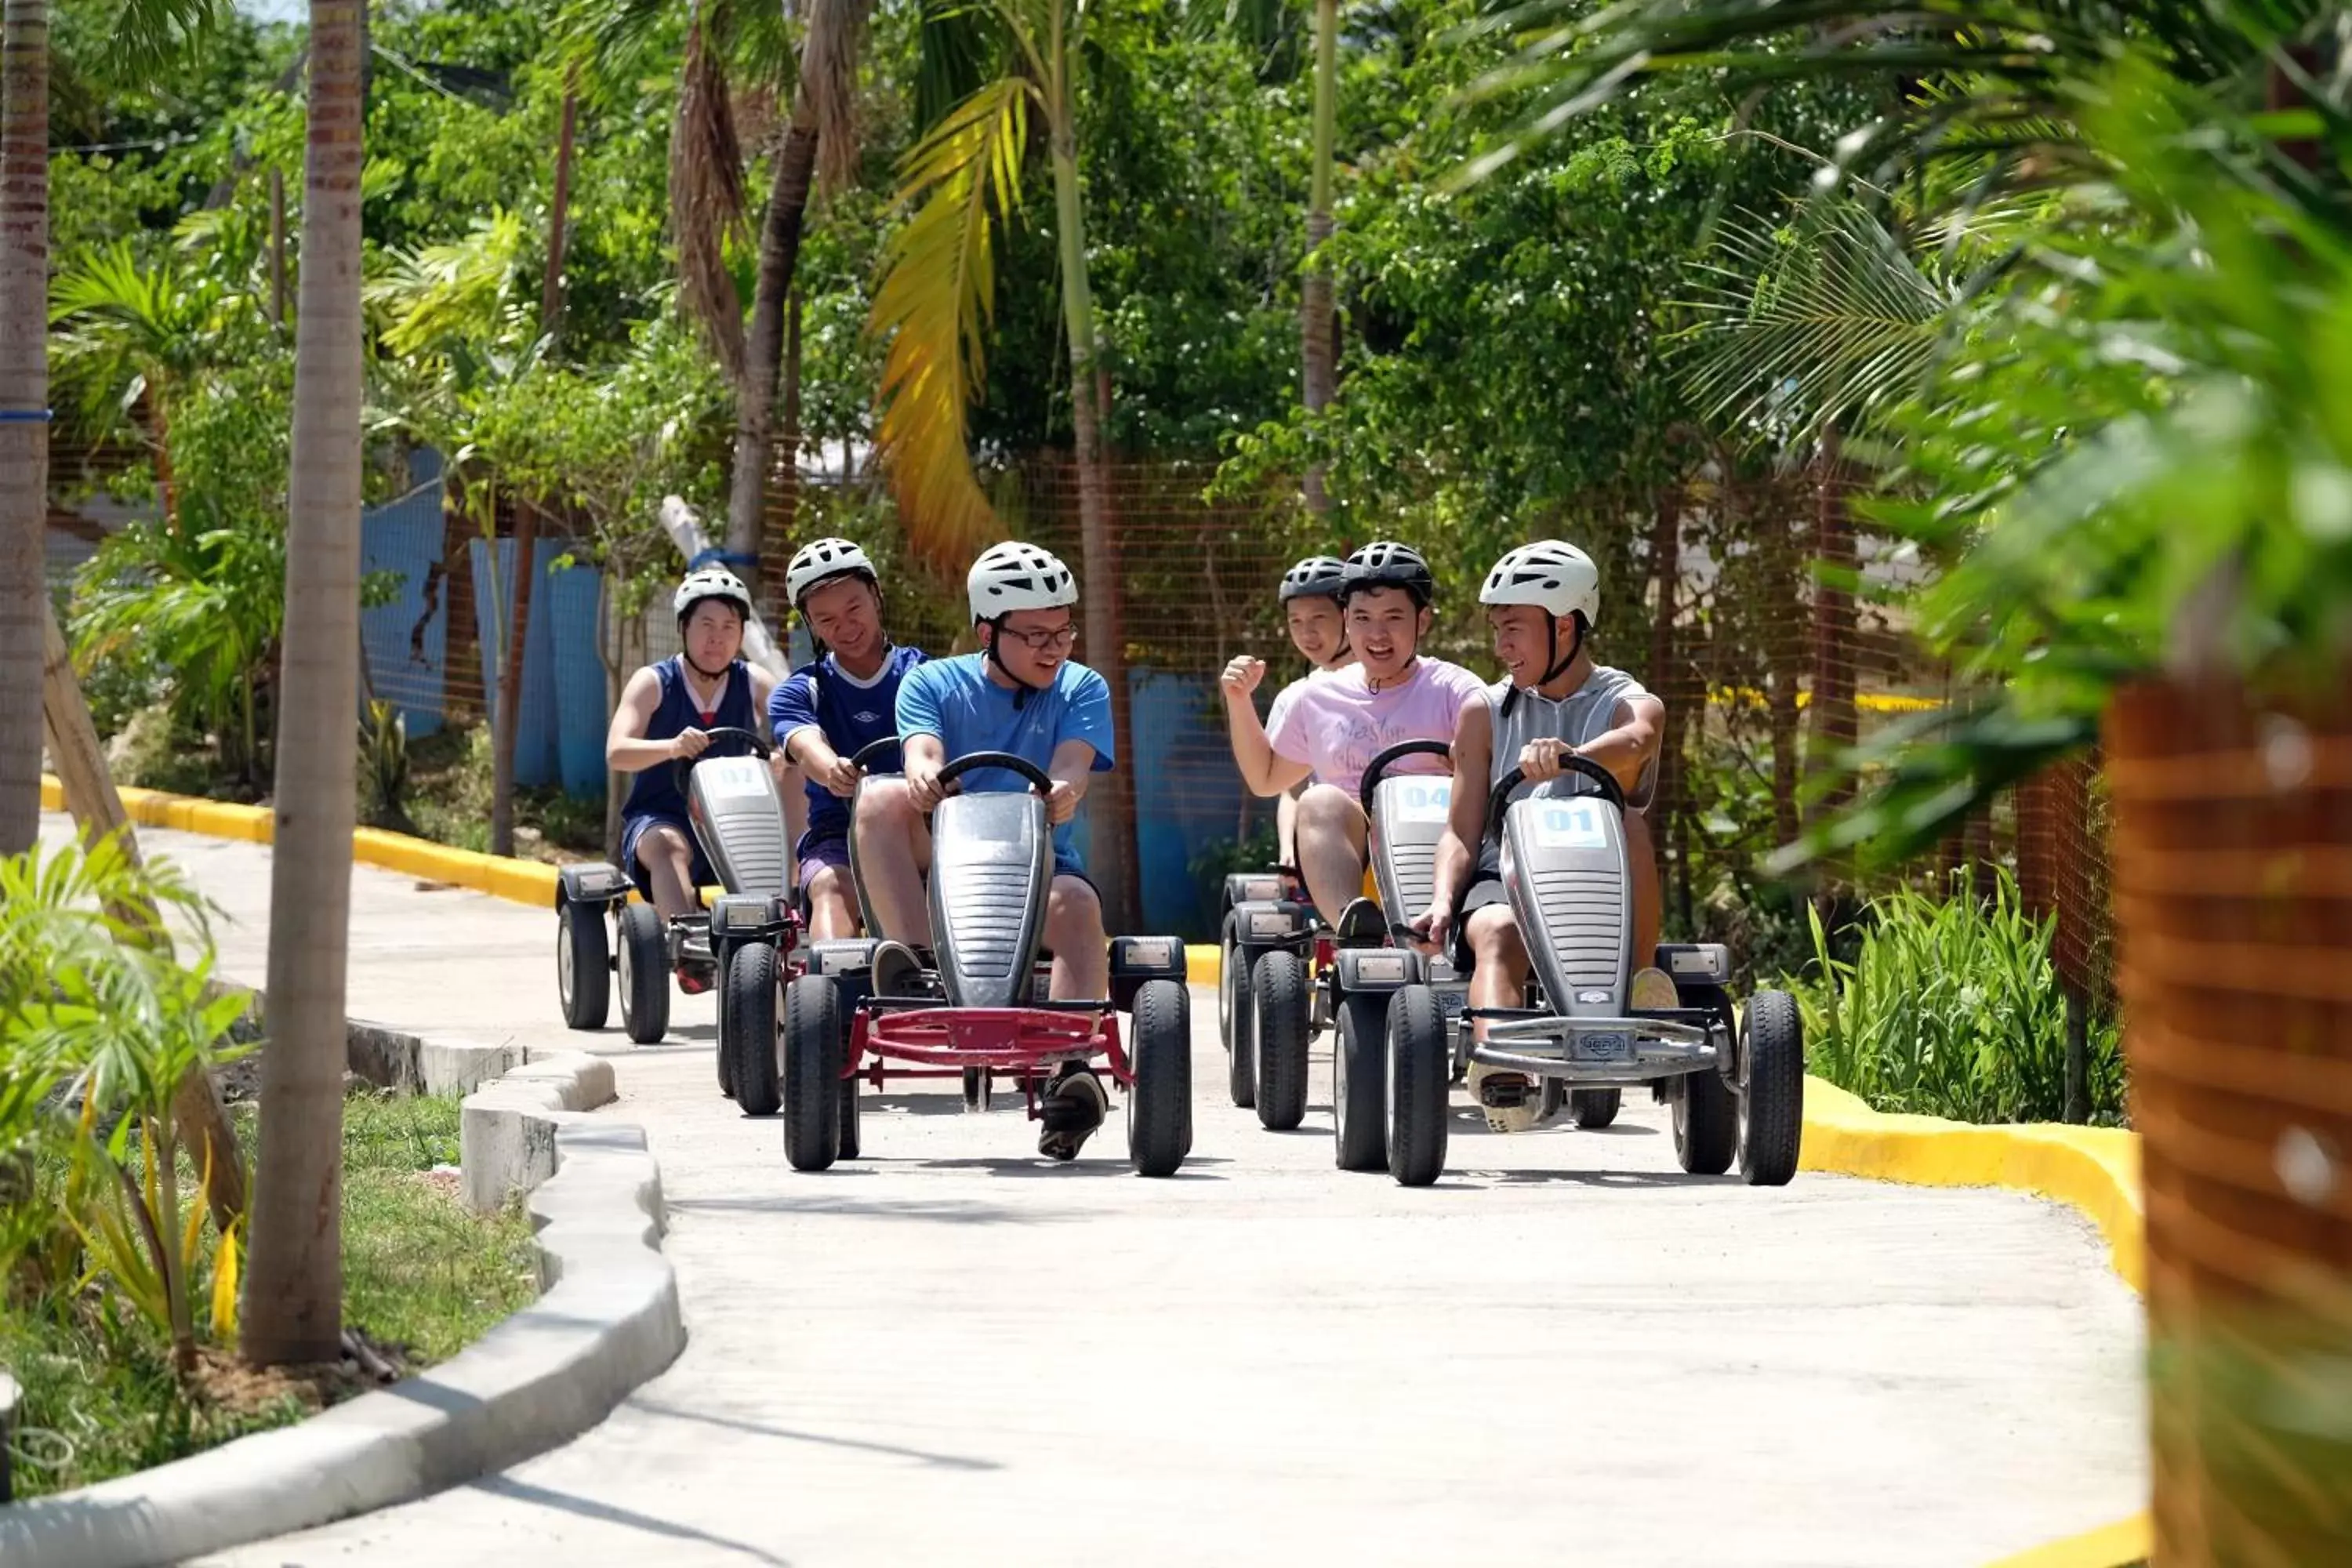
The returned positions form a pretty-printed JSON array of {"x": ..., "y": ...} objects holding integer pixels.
[
  {"x": 1030, "y": 771},
  {"x": 1500, "y": 798},
  {"x": 862, "y": 760},
  {"x": 1397, "y": 752},
  {"x": 761, "y": 749}
]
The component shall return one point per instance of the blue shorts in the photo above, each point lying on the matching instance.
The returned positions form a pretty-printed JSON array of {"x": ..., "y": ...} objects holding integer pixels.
[{"x": 633, "y": 828}]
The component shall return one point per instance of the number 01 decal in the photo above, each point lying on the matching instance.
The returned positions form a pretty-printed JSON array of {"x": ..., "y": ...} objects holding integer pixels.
[{"x": 1570, "y": 827}]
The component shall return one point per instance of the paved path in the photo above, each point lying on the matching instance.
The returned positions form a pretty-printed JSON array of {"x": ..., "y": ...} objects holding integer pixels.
[{"x": 950, "y": 1353}]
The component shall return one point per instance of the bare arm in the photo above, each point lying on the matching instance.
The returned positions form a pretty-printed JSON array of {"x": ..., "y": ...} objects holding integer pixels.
[
  {"x": 626, "y": 750},
  {"x": 1466, "y": 819},
  {"x": 1071, "y": 769},
  {"x": 924, "y": 755},
  {"x": 1264, "y": 773},
  {"x": 1625, "y": 750}
]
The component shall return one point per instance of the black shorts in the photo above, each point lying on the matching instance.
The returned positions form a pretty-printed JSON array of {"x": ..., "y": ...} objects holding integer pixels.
[{"x": 1485, "y": 888}]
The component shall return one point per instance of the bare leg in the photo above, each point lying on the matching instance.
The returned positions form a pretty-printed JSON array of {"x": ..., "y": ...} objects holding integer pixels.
[
  {"x": 1286, "y": 827},
  {"x": 791, "y": 786},
  {"x": 1642, "y": 860},
  {"x": 1500, "y": 978},
  {"x": 1074, "y": 930},
  {"x": 1331, "y": 848},
  {"x": 895, "y": 854},
  {"x": 669, "y": 861},
  {"x": 832, "y": 905}
]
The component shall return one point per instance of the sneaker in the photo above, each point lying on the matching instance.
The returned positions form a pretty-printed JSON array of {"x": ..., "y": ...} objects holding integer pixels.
[
  {"x": 1074, "y": 1107},
  {"x": 896, "y": 971},
  {"x": 1508, "y": 1099},
  {"x": 695, "y": 978},
  {"x": 1361, "y": 925},
  {"x": 1652, "y": 991}
]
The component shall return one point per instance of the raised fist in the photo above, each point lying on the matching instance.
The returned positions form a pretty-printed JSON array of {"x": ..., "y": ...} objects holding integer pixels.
[{"x": 1242, "y": 675}]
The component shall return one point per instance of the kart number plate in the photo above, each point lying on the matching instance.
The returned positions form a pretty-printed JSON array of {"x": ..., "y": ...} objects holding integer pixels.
[
  {"x": 1422, "y": 802},
  {"x": 1614, "y": 1047},
  {"x": 1570, "y": 827},
  {"x": 1453, "y": 1002}
]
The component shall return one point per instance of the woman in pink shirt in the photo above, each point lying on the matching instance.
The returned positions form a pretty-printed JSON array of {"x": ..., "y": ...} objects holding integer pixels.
[{"x": 1330, "y": 727}]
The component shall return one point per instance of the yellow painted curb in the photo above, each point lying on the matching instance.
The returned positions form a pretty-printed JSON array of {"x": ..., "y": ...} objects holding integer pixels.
[{"x": 2109, "y": 1546}]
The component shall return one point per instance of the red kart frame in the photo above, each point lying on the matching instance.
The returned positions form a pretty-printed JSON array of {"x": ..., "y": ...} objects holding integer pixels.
[{"x": 943, "y": 1041}]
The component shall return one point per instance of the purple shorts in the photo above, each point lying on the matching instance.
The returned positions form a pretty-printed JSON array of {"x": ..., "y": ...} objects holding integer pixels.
[{"x": 816, "y": 857}]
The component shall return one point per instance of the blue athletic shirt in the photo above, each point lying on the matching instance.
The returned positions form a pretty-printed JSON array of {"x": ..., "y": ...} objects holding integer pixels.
[
  {"x": 954, "y": 700},
  {"x": 851, "y": 714},
  {"x": 653, "y": 792}
]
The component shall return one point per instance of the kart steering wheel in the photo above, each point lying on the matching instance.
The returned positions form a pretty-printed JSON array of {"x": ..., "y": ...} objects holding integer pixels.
[
  {"x": 682, "y": 766},
  {"x": 1030, "y": 771},
  {"x": 873, "y": 748},
  {"x": 1397, "y": 752},
  {"x": 1500, "y": 798}
]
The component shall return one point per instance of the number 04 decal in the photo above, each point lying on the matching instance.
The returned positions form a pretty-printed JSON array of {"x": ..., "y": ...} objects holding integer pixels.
[{"x": 1570, "y": 827}]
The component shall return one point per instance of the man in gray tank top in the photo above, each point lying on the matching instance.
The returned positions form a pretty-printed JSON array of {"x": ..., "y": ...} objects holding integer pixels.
[{"x": 1541, "y": 600}]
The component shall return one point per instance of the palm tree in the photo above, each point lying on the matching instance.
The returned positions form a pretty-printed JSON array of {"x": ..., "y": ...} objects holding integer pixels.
[
  {"x": 935, "y": 302},
  {"x": 1319, "y": 374},
  {"x": 293, "y": 1299},
  {"x": 23, "y": 405}
]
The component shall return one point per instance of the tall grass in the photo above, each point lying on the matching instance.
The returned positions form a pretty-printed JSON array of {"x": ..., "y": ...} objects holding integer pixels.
[{"x": 1951, "y": 1008}]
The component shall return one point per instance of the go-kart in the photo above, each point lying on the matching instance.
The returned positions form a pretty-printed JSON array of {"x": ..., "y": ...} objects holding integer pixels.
[
  {"x": 979, "y": 1002},
  {"x": 747, "y": 934},
  {"x": 1260, "y": 916},
  {"x": 1735, "y": 1077}
]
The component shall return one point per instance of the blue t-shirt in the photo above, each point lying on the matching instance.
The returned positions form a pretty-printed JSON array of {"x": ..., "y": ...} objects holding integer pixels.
[
  {"x": 954, "y": 700},
  {"x": 851, "y": 713}
]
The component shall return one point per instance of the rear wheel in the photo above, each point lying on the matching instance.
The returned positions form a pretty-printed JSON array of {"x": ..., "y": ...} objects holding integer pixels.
[
  {"x": 1594, "y": 1107},
  {"x": 746, "y": 1027},
  {"x": 1706, "y": 1123},
  {"x": 583, "y": 965},
  {"x": 1159, "y": 1101},
  {"x": 1360, "y": 1141},
  {"x": 1773, "y": 1076},
  {"x": 812, "y": 1073},
  {"x": 848, "y": 1142},
  {"x": 1413, "y": 1087},
  {"x": 1237, "y": 1018},
  {"x": 645, "y": 974},
  {"x": 1278, "y": 991}
]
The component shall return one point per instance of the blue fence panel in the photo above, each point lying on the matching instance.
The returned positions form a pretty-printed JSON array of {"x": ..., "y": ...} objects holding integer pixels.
[
  {"x": 581, "y": 712},
  {"x": 1187, "y": 793},
  {"x": 407, "y": 638},
  {"x": 535, "y": 750}
]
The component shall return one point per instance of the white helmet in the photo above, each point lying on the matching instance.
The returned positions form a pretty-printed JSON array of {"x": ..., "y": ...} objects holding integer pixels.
[
  {"x": 1556, "y": 575},
  {"x": 712, "y": 583},
  {"x": 821, "y": 559},
  {"x": 1017, "y": 576}
]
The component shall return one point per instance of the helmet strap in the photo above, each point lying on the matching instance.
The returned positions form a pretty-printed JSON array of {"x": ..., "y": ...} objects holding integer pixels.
[
  {"x": 705, "y": 674},
  {"x": 1022, "y": 690},
  {"x": 1559, "y": 663}
]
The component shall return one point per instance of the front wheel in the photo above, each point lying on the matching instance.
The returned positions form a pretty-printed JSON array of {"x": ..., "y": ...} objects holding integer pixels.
[
  {"x": 850, "y": 1141},
  {"x": 1706, "y": 1123},
  {"x": 1359, "y": 1141},
  {"x": 1279, "y": 989},
  {"x": 1773, "y": 1076},
  {"x": 583, "y": 965},
  {"x": 1159, "y": 1098},
  {"x": 1594, "y": 1109},
  {"x": 644, "y": 974},
  {"x": 812, "y": 1050},
  {"x": 1413, "y": 1087},
  {"x": 746, "y": 1027}
]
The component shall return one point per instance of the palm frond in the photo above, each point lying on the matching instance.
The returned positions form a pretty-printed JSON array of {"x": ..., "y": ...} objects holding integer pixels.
[
  {"x": 935, "y": 302},
  {"x": 706, "y": 199},
  {"x": 828, "y": 85},
  {"x": 956, "y": 48}
]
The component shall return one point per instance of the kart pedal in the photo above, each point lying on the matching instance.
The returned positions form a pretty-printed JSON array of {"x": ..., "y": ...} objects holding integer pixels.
[{"x": 1504, "y": 1091}]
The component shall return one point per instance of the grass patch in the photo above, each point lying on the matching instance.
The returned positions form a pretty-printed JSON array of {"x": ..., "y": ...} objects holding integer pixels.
[{"x": 423, "y": 1278}]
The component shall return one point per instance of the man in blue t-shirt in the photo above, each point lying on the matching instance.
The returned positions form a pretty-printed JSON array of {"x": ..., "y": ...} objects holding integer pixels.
[
  {"x": 1021, "y": 693},
  {"x": 829, "y": 709}
]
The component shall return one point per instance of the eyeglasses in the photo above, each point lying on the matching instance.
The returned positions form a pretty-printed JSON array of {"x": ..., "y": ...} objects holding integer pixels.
[{"x": 1064, "y": 637}]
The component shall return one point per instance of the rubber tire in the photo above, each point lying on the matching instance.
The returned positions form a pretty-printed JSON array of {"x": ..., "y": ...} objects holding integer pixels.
[
  {"x": 1772, "y": 1108},
  {"x": 582, "y": 938},
  {"x": 848, "y": 1142},
  {"x": 1237, "y": 1020},
  {"x": 1552, "y": 1096},
  {"x": 1415, "y": 1080},
  {"x": 644, "y": 974},
  {"x": 1159, "y": 1101},
  {"x": 1706, "y": 1123},
  {"x": 979, "y": 1088},
  {"x": 1359, "y": 1052},
  {"x": 746, "y": 1027},
  {"x": 1594, "y": 1107},
  {"x": 1279, "y": 988},
  {"x": 813, "y": 1053}
]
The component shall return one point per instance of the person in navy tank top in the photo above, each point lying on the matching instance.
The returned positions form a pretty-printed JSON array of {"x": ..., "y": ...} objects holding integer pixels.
[
  {"x": 667, "y": 712},
  {"x": 831, "y": 709}
]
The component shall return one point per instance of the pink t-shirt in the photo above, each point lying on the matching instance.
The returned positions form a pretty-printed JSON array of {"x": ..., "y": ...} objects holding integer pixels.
[{"x": 1337, "y": 724}]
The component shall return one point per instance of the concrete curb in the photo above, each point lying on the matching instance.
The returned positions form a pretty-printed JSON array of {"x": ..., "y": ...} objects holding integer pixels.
[
  {"x": 608, "y": 1322},
  {"x": 509, "y": 1131}
]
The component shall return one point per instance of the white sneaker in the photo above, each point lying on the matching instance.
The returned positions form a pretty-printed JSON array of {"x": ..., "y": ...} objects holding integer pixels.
[
  {"x": 1520, "y": 1118},
  {"x": 1652, "y": 991},
  {"x": 896, "y": 971}
]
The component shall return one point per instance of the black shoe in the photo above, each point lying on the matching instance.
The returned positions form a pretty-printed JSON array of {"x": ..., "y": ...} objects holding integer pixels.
[
  {"x": 1361, "y": 924},
  {"x": 1073, "y": 1109},
  {"x": 896, "y": 971}
]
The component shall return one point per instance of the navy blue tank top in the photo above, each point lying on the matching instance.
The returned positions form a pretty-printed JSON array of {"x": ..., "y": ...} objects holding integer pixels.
[{"x": 655, "y": 791}]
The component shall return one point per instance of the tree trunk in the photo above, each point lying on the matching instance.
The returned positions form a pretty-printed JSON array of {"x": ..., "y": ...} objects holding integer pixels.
[
  {"x": 559, "y": 208},
  {"x": 755, "y": 399},
  {"x": 293, "y": 1296},
  {"x": 1833, "y": 724},
  {"x": 278, "y": 246},
  {"x": 783, "y": 502},
  {"x": 1666, "y": 570},
  {"x": 1318, "y": 351},
  {"x": 24, "y": 404},
  {"x": 1113, "y": 861},
  {"x": 506, "y": 717}
]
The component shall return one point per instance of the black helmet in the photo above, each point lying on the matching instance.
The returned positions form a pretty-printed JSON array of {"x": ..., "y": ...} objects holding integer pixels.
[
  {"x": 1385, "y": 564},
  {"x": 1316, "y": 577}
]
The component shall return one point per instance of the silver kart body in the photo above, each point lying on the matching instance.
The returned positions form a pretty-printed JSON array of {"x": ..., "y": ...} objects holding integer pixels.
[
  {"x": 992, "y": 867},
  {"x": 1564, "y": 870},
  {"x": 1409, "y": 813},
  {"x": 739, "y": 819}
]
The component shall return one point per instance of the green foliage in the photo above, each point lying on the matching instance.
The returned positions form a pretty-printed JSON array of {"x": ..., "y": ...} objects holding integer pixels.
[{"x": 1950, "y": 1007}]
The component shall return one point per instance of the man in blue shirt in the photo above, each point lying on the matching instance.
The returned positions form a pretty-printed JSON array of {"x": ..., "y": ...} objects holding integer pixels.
[
  {"x": 1021, "y": 693},
  {"x": 831, "y": 709}
]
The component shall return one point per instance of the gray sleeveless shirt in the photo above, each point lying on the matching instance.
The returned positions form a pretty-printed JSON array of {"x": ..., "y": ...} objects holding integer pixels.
[{"x": 1582, "y": 716}]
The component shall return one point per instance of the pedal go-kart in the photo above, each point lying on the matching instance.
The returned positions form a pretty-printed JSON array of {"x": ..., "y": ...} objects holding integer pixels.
[
  {"x": 1735, "y": 1077},
  {"x": 980, "y": 1004},
  {"x": 1260, "y": 917},
  {"x": 748, "y": 934}
]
